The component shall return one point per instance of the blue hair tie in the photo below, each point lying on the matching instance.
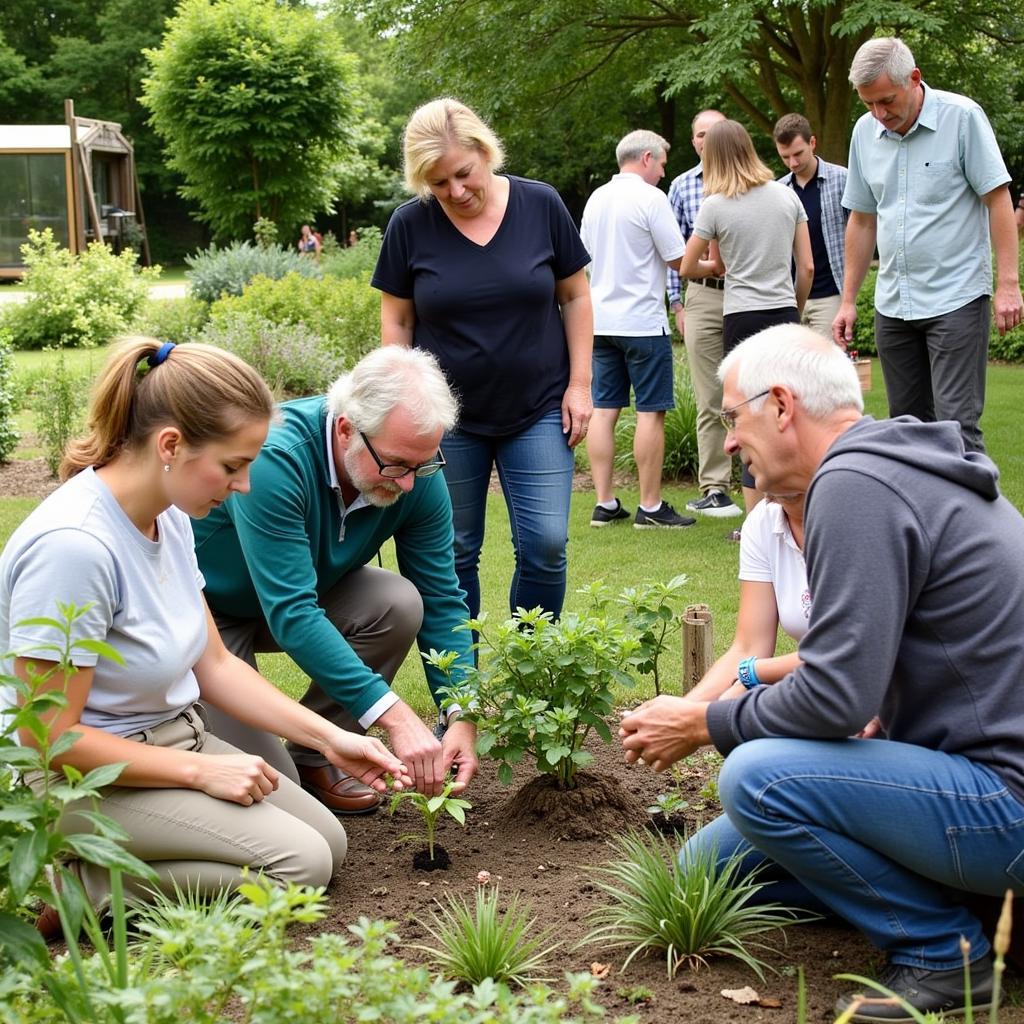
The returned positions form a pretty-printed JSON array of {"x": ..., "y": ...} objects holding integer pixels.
[{"x": 157, "y": 357}]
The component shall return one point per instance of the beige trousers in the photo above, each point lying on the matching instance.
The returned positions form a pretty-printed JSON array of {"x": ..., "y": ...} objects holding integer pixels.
[
  {"x": 818, "y": 314},
  {"x": 201, "y": 843}
]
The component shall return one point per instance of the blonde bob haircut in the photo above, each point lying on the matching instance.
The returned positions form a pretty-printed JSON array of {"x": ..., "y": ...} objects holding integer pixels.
[
  {"x": 433, "y": 129},
  {"x": 731, "y": 166},
  {"x": 205, "y": 392}
]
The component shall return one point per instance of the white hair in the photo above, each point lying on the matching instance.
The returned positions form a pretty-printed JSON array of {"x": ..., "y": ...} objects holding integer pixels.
[
  {"x": 633, "y": 146},
  {"x": 389, "y": 377},
  {"x": 815, "y": 369},
  {"x": 884, "y": 56}
]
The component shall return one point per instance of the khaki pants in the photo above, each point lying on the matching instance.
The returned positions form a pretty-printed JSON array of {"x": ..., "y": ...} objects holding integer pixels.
[
  {"x": 378, "y": 613},
  {"x": 201, "y": 843},
  {"x": 703, "y": 338},
  {"x": 818, "y": 314}
]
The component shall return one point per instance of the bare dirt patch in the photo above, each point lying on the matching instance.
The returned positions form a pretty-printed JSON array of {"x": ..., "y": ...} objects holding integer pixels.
[{"x": 26, "y": 478}]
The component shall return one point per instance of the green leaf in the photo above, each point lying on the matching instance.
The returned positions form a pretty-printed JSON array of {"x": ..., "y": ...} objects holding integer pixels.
[
  {"x": 19, "y": 812},
  {"x": 434, "y": 804},
  {"x": 104, "y": 775},
  {"x": 582, "y": 758},
  {"x": 22, "y": 942},
  {"x": 457, "y": 812},
  {"x": 104, "y": 853},
  {"x": 505, "y": 773},
  {"x": 63, "y": 743},
  {"x": 105, "y": 826},
  {"x": 556, "y": 754},
  {"x": 27, "y": 858},
  {"x": 100, "y": 647},
  {"x": 21, "y": 757}
]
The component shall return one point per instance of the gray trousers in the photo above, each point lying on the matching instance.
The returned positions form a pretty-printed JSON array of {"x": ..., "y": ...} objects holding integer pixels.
[
  {"x": 934, "y": 368},
  {"x": 201, "y": 843},
  {"x": 378, "y": 613}
]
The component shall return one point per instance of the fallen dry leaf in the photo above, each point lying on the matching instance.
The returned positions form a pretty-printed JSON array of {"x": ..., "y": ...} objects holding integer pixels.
[
  {"x": 600, "y": 970},
  {"x": 770, "y": 1004},
  {"x": 743, "y": 996}
]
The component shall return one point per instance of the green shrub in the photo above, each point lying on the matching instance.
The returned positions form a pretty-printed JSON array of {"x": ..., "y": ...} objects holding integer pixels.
[
  {"x": 864, "y": 327},
  {"x": 291, "y": 358},
  {"x": 215, "y": 272},
  {"x": 344, "y": 312},
  {"x": 687, "y": 907},
  {"x": 76, "y": 300},
  {"x": 177, "y": 320},
  {"x": 357, "y": 260},
  {"x": 58, "y": 400},
  {"x": 9, "y": 399}
]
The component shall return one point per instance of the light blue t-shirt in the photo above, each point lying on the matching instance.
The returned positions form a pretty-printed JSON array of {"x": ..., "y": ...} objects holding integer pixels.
[
  {"x": 80, "y": 546},
  {"x": 925, "y": 188}
]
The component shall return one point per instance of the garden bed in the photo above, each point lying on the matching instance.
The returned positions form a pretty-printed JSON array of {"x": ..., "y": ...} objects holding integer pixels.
[{"x": 550, "y": 871}]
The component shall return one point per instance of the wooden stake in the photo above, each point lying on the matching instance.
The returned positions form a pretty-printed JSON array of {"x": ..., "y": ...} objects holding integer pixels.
[{"x": 698, "y": 644}]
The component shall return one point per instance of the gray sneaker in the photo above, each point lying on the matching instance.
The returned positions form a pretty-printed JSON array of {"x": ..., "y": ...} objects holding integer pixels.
[
  {"x": 666, "y": 516},
  {"x": 926, "y": 991},
  {"x": 714, "y": 503}
]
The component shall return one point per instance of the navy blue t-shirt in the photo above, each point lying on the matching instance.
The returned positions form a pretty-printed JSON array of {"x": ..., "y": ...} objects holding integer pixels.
[{"x": 488, "y": 312}]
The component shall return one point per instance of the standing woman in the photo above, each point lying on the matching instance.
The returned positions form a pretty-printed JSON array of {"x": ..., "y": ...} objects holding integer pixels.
[
  {"x": 486, "y": 271},
  {"x": 760, "y": 228},
  {"x": 172, "y": 431}
]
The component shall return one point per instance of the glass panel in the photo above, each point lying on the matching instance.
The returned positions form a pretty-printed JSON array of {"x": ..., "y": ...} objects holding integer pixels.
[
  {"x": 48, "y": 189},
  {"x": 14, "y": 206}
]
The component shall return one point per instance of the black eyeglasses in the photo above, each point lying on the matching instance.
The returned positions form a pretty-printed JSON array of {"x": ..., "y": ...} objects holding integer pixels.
[
  {"x": 728, "y": 416},
  {"x": 393, "y": 471}
]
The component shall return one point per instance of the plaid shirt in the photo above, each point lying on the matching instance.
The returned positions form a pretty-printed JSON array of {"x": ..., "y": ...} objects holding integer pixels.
[
  {"x": 831, "y": 182},
  {"x": 685, "y": 195}
]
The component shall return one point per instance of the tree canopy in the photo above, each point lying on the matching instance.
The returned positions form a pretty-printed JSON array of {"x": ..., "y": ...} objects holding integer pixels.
[{"x": 255, "y": 103}]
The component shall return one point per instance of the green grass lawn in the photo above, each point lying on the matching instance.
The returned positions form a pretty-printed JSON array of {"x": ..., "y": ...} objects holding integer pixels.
[{"x": 620, "y": 555}]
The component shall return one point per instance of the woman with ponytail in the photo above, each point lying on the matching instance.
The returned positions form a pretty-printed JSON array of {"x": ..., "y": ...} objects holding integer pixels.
[{"x": 172, "y": 431}]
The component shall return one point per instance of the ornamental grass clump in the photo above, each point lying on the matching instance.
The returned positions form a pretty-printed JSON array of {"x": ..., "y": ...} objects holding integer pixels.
[
  {"x": 689, "y": 907},
  {"x": 484, "y": 943}
]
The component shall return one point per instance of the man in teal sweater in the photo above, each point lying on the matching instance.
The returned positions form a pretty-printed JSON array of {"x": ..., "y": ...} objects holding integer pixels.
[{"x": 286, "y": 568}]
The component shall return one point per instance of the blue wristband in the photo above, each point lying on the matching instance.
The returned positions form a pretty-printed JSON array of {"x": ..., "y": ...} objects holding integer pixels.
[{"x": 747, "y": 674}]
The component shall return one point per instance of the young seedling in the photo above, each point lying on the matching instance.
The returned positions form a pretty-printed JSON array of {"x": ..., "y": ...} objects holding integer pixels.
[
  {"x": 432, "y": 807},
  {"x": 668, "y": 804}
]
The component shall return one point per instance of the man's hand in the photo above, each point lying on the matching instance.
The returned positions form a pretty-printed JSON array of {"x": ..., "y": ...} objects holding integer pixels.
[
  {"x": 842, "y": 326},
  {"x": 367, "y": 759},
  {"x": 680, "y": 315},
  {"x": 663, "y": 730},
  {"x": 415, "y": 746},
  {"x": 459, "y": 747},
  {"x": 1008, "y": 307}
]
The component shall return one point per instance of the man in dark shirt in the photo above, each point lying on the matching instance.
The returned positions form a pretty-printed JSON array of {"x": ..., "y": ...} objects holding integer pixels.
[{"x": 819, "y": 186}]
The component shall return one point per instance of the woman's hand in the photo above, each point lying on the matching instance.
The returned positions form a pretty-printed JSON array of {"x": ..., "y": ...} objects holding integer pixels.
[
  {"x": 577, "y": 408},
  {"x": 239, "y": 778},
  {"x": 367, "y": 759}
]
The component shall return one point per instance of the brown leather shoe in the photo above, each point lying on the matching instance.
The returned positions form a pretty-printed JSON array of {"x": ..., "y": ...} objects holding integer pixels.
[
  {"x": 48, "y": 924},
  {"x": 337, "y": 791}
]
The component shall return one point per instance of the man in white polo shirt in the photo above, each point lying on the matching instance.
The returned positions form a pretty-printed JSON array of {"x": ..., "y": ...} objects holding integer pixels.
[{"x": 631, "y": 232}]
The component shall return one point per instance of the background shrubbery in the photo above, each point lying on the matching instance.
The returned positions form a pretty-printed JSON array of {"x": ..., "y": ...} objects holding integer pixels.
[
  {"x": 357, "y": 260},
  {"x": 76, "y": 300},
  {"x": 8, "y": 399},
  {"x": 226, "y": 271}
]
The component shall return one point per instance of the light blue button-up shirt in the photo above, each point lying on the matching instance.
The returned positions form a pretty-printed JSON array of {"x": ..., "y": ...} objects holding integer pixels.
[{"x": 925, "y": 188}]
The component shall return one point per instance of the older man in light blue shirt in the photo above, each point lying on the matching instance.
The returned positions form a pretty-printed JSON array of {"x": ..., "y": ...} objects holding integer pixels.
[{"x": 928, "y": 184}]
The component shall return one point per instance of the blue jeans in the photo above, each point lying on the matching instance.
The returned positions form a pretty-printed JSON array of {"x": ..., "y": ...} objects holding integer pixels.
[
  {"x": 535, "y": 468},
  {"x": 878, "y": 832}
]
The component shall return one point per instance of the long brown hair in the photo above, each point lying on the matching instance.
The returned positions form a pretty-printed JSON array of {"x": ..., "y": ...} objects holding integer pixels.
[
  {"x": 731, "y": 165},
  {"x": 205, "y": 392}
]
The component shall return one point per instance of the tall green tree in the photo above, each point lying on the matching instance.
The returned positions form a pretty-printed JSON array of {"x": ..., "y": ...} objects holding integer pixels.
[
  {"x": 255, "y": 104},
  {"x": 761, "y": 58}
]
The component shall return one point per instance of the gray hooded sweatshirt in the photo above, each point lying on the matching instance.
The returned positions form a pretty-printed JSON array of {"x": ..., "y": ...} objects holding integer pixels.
[{"x": 916, "y": 571}]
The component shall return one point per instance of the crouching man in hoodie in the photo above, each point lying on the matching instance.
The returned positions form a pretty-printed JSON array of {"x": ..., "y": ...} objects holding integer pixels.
[{"x": 916, "y": 570}]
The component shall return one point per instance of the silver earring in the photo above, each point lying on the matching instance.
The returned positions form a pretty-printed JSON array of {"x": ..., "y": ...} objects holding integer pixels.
[{"x": 167, "y": 467}]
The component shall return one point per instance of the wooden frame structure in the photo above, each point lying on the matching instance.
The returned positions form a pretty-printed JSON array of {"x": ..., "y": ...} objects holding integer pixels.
[{"x": 101, "y": 186}]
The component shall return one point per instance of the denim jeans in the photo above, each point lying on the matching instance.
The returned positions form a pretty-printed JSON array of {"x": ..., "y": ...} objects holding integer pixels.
[
  {"x": 535, "y": 468},
  {"x": 879, "y": 832}
]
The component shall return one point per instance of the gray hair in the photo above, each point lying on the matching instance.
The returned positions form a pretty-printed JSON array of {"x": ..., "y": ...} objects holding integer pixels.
[
  {"x": 633, "y": 146},
  {"x": 885, "y": 56},
  {"x": 815, "y": 369},
  {"x": 389, "y": 377}
]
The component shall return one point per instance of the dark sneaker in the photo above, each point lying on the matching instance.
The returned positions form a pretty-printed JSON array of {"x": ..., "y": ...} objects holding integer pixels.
[
  {"x": 714, "y": 503},
  {"x": 926, "y": 991},
  {"x": 602, "y": 517},
  {"x": 666, "y": 516}
]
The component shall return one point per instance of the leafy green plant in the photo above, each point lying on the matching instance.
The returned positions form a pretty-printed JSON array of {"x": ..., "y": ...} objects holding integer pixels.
[
  {"x": 544, "y": 687},
  {"x": 177, "y": 320},
  {"x": 265, "y": 232},
  {"x": 291, "y": 358},
  {"x": 9, "y": 399},
  {"x": 354, "y": 261},
  {"x": 652, "y": 613},
  {"x": 635, "y": 994},
  {"x": 78, "y": 300},
  {"x": 345, "y": 313},
  {"x": 58, "y": 401},
  {"x": 668, "y": 804},
  {"x": 432, "y": 808},
  {"x": 481, "y": 943},
  {"x": 227, "y": 270},
  {"x": 687, "y": 906}
]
